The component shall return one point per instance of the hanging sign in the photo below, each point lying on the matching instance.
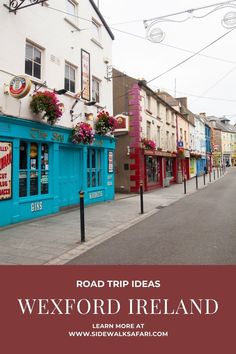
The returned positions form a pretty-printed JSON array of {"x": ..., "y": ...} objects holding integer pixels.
[
  {"x": 85, "y": 75},
  {"x": 19, "y": 86},
  {"x": 122, "y": 123},
  {"x": 5, "y": 170}
]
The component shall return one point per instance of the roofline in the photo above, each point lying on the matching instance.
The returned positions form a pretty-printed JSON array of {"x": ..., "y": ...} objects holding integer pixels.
[
  {"x": 102, "y": 19},
  {"x": 142, "y": 84}
]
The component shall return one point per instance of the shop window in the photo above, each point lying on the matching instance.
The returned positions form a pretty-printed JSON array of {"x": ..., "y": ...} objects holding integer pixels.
[
  {"x": 33, "y": 60},
  {"x": 94, "y": 168},
  {"x": 169, "y": 168},
  {"x": 34, "y": 169},
  {"x": 152, "y": 170},
  {"x": 70, "y": 77}
]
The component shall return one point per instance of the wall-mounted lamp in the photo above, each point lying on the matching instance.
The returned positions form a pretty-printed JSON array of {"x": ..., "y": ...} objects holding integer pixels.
[
  {"x": 89, "y": 116},
  {"x": 60, "y": 92}
]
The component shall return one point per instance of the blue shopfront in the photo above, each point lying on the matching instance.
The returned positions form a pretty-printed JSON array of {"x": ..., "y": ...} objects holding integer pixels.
[
  {"x": 42, "y": 172},
  {"x": 201, "y": 165}
]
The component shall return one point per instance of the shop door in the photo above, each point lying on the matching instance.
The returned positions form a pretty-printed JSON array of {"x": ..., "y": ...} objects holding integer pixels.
[{"x": 70, "y": 172}]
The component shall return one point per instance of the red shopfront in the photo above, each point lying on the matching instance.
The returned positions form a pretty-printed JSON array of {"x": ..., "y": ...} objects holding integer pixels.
[{"x": 160, "y": 169}]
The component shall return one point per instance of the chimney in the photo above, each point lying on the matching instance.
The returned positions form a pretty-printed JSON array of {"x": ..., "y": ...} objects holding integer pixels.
[{"x": 183, "y": 101}]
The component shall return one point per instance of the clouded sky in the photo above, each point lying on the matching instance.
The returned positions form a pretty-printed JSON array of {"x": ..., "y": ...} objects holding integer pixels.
[{"x": 209, "y": 79}]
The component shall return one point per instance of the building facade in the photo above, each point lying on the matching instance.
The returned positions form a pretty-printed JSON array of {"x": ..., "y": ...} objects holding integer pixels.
[
  {"x": 200, "y": 135},
  {"x": 41, "y": 169},
  {"x": 146, "y": 152}
]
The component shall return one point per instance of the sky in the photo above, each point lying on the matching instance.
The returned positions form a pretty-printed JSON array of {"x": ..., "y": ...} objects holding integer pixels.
[{"x": 207, "y": 79}]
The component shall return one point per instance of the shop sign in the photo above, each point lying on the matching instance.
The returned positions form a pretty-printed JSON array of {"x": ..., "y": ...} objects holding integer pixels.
[
  {"x": 5, "y": 170},
  {"x": 37, "y": 206},
  {"x": 19, "y": 86},
  {"x": 40, "y": 134},
  {"x": 187, "y": 153},
  {"x": 180, "y": 144},
  {"x": 122, "y": 123},
  {"x": 110, "y": 161},
  {"x": 95, "y": 195}
]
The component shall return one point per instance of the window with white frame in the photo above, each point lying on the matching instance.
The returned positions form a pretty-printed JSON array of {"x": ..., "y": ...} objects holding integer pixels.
[
  {"x": 96, "y": 32},
  {"x": 96, "y": 86},
  {"x": 148, "y": 103},
  {"x": 173, "y": 142},
  {"x": 71, "y": 8},
  {"x": 158, "y": 136},
  {"x": 168, "y": 114},
  {"x": 167, "y": 140},
  {"x": 158, "y": 109},
  {"x": 173, "y": 119},
  {"x": 148, "y": 130},
  {"x": 70, "y": 77},
  {"x": 33, "y": 60}
]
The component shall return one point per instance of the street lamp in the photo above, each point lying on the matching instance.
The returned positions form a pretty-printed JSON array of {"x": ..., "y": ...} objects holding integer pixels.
[
  {"x": 229, "y": 20},
  {"x": 156, "y": 35}
]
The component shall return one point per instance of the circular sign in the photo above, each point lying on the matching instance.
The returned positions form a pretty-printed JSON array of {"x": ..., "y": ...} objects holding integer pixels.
[{"x": 19, "y": 86}]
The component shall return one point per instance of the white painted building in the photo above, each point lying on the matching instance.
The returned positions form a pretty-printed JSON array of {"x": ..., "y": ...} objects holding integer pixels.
[
  {"x": 61, "y": 47},
  {"x": 44, "y": 42}
]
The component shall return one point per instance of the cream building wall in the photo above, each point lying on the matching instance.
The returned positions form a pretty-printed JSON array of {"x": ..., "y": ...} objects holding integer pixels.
[{"x": 160, "y": 120}]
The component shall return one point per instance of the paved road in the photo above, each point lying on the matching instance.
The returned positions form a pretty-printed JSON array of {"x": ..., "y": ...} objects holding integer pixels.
[{"x": 199, "y": 229}]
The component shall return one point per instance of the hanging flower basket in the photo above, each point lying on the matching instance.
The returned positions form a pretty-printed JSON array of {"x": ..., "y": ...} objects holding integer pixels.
[
  {"x": 47, "y": 103},
  {"x": 181, "y": 153},
  {"x": 148, "y": 144},
  {"x": 105, "y": 124},
  {"x": 83, "y": 133}
]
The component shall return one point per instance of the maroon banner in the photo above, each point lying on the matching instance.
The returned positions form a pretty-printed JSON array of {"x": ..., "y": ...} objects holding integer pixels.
[{"x": 118, "y": 309}]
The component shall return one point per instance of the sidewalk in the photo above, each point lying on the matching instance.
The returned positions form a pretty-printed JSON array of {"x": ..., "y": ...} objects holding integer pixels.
[{"x": 56, "y": 239}]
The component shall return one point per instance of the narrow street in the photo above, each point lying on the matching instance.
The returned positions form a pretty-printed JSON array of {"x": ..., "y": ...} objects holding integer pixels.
[{"x": 199, "y": 229}]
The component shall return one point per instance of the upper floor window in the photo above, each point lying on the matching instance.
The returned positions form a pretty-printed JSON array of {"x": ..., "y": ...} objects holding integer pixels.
[
  {"x": 173, "y": 119},
  {"x": 158, "y": 109},
  {"x": 148, "y": 103},
  {"x": 33, "y": 61},
  {"x": 168, "y": 114},
  {"x": 71, "y": 7},
  {"x": 70, "y": 77},
  {"x": 158, "y": 136},
  {"x": 96, "y": 30},
  {"x": 148, "y": 129},
  {"x": 96, "y": 83}
]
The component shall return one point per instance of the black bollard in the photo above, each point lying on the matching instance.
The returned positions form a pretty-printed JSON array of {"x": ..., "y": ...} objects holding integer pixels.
[
  {"x": 82, "y": 223},
  {"x": 196, "y": 182},
  {"x": 209, "y": 176},
  {"x": 214, "y": 173},
  {"x": 185, "y": 186},
  {"x": 218, "y": 172},
  {"x": 141, "y": 198},
  {"x": 204, "y": 178}
]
